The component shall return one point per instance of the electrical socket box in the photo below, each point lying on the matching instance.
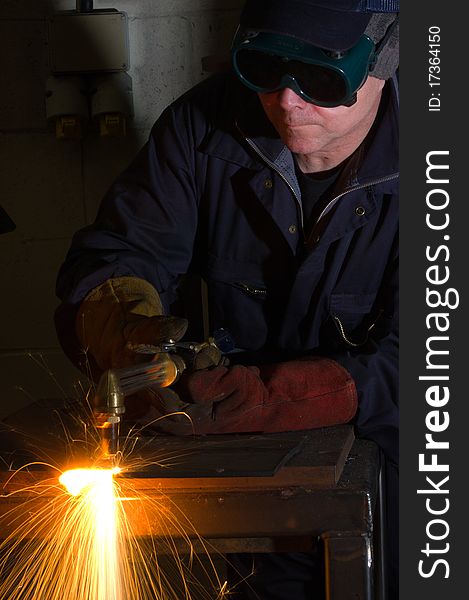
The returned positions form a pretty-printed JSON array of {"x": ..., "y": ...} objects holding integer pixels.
[{"x": 94, "y": 42}]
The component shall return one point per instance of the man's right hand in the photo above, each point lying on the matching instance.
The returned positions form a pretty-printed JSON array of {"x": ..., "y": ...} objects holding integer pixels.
[{"x": 120, "y": 321}]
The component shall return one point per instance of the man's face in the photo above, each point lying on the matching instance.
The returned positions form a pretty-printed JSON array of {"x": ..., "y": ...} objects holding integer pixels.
[{"x": 309, "y": 129}]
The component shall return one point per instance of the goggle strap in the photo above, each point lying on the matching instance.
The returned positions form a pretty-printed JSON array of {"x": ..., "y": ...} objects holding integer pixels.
[
  {"x": 384, "y": 40},
  {"x": 374, "y": 6}
]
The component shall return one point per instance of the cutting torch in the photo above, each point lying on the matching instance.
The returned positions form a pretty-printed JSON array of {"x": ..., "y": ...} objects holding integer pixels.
[{"x": 168, "y": 362}]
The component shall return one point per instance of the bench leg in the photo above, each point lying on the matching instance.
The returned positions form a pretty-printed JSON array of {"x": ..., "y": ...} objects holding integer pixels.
[{"x": 348, "y": 566}]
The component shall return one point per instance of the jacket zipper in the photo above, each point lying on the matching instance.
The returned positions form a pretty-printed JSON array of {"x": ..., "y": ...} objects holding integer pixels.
[
  {"x": 354, "y": 189},
  {"x": 277, "y": 170},
  {"x": 344, "y": 335},
  {"x": 298, "y": 200},
  {"x": 331, "y": 202}
]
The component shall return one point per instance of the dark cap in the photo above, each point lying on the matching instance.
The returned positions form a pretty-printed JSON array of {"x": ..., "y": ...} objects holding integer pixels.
[
  {"x": 329, "y": 24},
  {"x": 6, "y": 224}
]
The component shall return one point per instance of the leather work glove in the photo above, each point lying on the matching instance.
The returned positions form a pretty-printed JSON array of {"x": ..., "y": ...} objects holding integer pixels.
[
  {"x": 289, "y": 396},
  {"x": 120, "y": 318}
]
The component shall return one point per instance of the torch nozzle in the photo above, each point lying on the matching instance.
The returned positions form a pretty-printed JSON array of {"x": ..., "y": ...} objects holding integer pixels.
[
  {"x": 116, "y": 384},
  {"x": 108, "y": 408},
  {"x": 108, "y": 427}
]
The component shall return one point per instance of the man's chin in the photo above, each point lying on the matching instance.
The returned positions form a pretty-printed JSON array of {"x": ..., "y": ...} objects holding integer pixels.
[
  {"x": 298, "y": 139},
  {"x": 299, "y": 146}
]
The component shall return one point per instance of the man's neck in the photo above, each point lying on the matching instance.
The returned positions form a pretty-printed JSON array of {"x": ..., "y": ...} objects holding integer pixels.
[{"x": 317, "y": 162}]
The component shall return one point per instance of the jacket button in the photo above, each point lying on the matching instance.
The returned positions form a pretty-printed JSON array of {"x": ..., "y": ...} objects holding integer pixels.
[
  {"x": 268, "y": 184},
  {"x": 292, "y": 229},
  {"x": 360, "y": 211}
]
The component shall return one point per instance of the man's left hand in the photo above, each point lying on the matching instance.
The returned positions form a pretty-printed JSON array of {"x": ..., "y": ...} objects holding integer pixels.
[{"x": 294, "y": 395}]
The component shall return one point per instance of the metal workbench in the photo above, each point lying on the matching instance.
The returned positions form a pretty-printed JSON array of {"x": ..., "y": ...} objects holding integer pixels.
[{"x": 240, "y": 493}]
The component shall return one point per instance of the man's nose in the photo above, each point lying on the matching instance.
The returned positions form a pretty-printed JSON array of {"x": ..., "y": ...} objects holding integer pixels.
[{"x": 288, "y": 99}]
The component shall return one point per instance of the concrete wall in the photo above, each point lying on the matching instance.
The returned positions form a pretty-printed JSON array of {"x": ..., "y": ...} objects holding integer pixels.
[{"x": 52, "y": 187}]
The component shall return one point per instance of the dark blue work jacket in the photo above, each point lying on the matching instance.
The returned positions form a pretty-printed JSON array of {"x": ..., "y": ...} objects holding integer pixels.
[{"x": 214, "y": 192}]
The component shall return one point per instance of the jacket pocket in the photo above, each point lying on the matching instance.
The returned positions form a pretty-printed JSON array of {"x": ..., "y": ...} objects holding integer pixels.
[{"x": 239, "y": 307}]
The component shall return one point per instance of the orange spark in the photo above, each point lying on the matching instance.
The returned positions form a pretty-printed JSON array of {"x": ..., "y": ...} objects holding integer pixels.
[
  {"x": 74, "y": 541},
  {"x": 97, "y": 507}
]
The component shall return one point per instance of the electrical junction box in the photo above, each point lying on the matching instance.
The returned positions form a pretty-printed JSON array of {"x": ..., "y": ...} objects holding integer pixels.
[{"x": 94, "y": 42}]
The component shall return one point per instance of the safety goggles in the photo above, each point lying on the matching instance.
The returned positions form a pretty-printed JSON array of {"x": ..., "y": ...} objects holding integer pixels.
[{"x": 266, "y": 62}]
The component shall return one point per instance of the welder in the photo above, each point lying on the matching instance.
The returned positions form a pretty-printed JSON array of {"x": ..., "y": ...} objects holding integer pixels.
[{"x": 277, "y": 184}]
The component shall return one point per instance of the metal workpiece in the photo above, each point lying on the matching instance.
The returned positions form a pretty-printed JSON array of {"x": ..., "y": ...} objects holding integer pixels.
[{"x": 301, "y": 498}]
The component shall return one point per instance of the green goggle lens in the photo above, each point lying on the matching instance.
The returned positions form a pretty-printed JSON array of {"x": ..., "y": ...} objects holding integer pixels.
[{"x": 268, "y": 62}]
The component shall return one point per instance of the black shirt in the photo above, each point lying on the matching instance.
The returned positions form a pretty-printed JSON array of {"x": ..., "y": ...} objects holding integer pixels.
[{"x": 315, "y": 189}]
